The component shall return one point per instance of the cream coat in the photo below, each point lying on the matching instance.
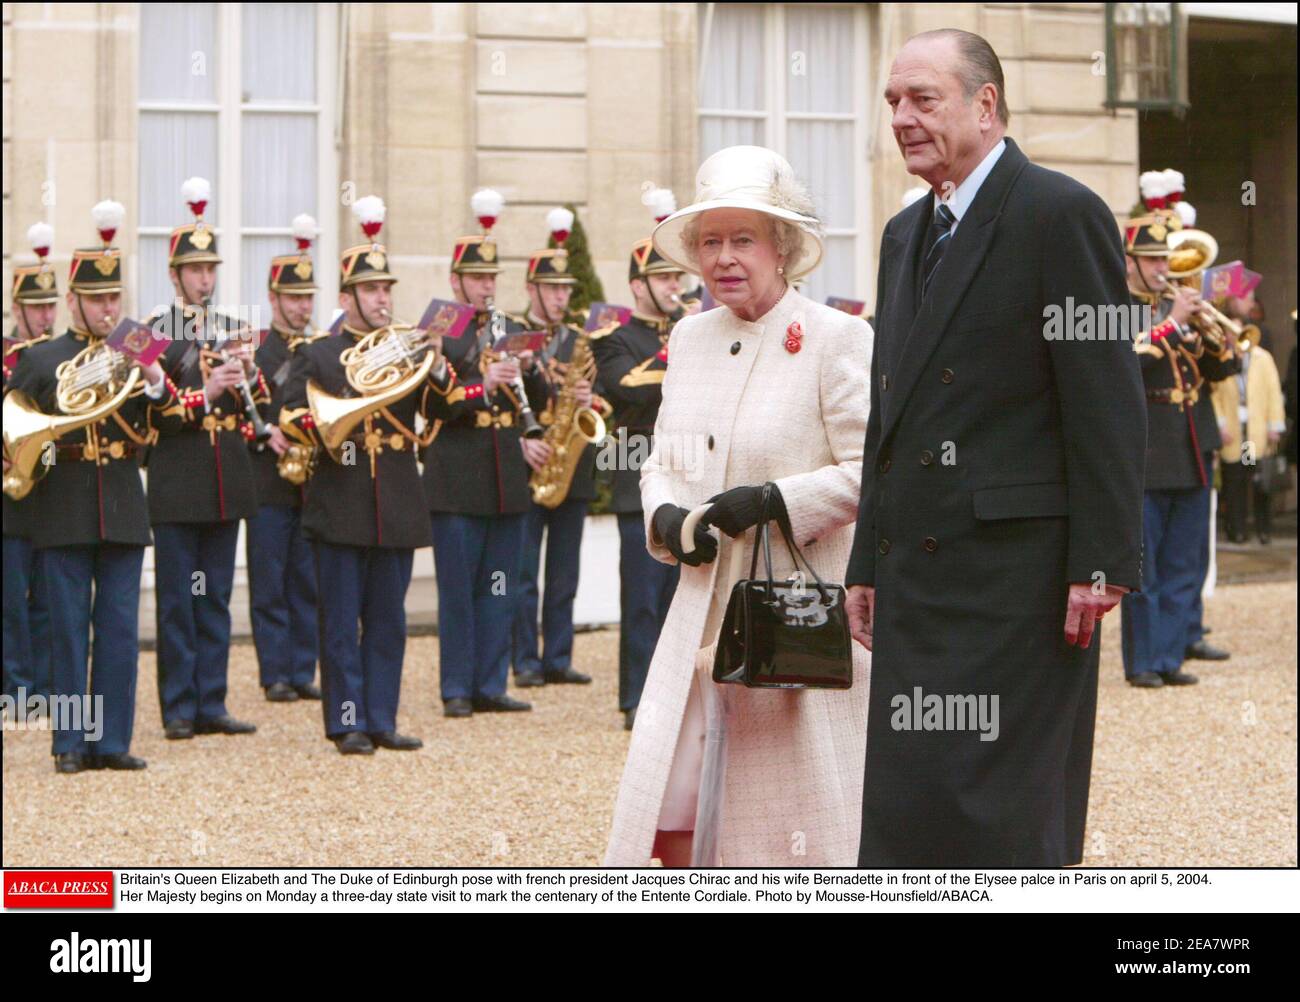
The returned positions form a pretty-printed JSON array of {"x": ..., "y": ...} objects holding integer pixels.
[
  {"x": 1264, "y": 396},
  {"x": 793, "y": 782}
]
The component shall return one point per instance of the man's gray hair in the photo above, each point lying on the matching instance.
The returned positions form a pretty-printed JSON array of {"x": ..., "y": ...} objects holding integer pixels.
[{"x": 979, "y": 65}]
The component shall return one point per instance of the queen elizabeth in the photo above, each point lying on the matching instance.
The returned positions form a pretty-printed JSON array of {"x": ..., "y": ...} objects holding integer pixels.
[{"x": 767, "y": 387}]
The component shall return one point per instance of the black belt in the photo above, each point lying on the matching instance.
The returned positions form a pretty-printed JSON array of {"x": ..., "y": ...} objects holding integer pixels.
[
  {"x": 1173, "y": 395},
  {"x": 113, "y": 450}
]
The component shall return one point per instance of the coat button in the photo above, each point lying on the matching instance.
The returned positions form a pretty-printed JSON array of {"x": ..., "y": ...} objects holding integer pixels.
[
  {"x": 883, "y": 547},
  {"x": 735, "y": 348},
  {"x": 710, "y": 442},
  {"x": 931, "y": 544},
  {"x": 927, "y": 457},
  {"x": 884, "y": 465},
  {"x": 946, "y": 376},
  {"x": 884, "y": 381}
]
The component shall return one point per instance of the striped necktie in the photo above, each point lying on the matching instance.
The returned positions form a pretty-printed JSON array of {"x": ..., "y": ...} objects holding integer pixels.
[{"x": 938, "y": 240}]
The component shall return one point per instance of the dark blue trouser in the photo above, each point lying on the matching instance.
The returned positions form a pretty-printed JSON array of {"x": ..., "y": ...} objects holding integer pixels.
[
  {"x": 26, "y": 621},
  {"x": 563, "y": 528},
  {"x": 361, "y": 587},
  {"x": 646, "y": 589},
  {"x": 94, "y": 588},
  {"x": 194, "y": 567},
  {"x": 1154, "y": 621},
  {"x": 476, "y": 559},
  {"x": 282, "y": 596}
]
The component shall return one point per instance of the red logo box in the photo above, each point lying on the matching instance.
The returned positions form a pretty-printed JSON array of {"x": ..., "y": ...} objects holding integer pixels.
[{"x": 59, "y": 889}]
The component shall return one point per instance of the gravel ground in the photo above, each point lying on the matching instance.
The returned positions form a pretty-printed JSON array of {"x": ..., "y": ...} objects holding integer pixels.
[{"x": 1203, "y": 775}]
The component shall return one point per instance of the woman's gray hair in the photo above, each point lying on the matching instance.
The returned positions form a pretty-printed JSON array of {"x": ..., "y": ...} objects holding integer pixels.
[{"x": 787, "y": 193}]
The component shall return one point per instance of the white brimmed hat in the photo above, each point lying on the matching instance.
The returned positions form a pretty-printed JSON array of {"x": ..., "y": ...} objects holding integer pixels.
[{"x": 745, "y": 177}]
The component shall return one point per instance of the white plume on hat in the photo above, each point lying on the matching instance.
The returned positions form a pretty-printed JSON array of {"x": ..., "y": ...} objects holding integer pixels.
[
  {"x": 912, "y": 194},
  {"x": 1186, "y": 212},
  {"x": 369, "y": 209},
  {"x": 661, "y": 202},
  {"x": 1174, "y": 181},
  {"x": 40, "y": 236},
  {"x": 559, "y": 220},
  {"x": 304, "y": 227},
  {"x": 1153, "y": 184},
  {"x": 196, "y": 189},
  {"x": 486, "y": 202},
  {"x": 108, "y": 215}
]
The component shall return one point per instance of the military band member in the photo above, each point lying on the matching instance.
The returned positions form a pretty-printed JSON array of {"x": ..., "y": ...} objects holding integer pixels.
[
  {"x": 550, "y": 286},
  {"x": 363, "y": 508},
  {"x": 93, "y": 519},
  {"x": 281, "y": 568},
  {"x": 34, "y": 303},
  {"x": 200, "y": 482},
  {"x": 476, "y": 482},
  {"x": 632, "y": 361},
  {"x": 1182, "y": 438}
]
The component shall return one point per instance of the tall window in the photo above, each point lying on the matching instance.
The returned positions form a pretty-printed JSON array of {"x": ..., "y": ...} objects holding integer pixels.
[
  {"x": 240, "y": 94},
  {"x": 792, "y": 77}
]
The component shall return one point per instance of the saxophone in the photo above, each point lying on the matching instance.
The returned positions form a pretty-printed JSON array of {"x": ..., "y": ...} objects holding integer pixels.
[{"x": 568, "y": 435}]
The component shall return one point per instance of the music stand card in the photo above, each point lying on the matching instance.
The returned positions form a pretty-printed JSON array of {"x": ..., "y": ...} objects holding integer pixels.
[
  {"x": 442, "y": 316},
  {"x": 1221, "y": 280},
  {"x": 853, "y": 307},
  {"x": 336, "y": 325},
  {"x": 137, "y": 341},
  {"x": 707, "y": 302},
  {"x": 1249, "y": 279},
  {"x": 513, "y": 344},
  {"x": 604, "y": 315}
]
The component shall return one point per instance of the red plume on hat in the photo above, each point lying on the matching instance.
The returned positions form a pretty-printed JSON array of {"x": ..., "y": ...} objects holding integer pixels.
[
  {"x": 108, "y": 216},
  {"x": 197, "y": 192},
  {"x": 370, "y": 212},
  {"x": 560, "y": 222},
  {"x": 486, "y": 205},
  {"x": 661, "y": 202}
]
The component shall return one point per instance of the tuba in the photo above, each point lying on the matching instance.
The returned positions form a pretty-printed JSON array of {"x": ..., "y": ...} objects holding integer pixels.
[
  {"x": 91, "y": 386},
  {"x": 573, "y": 428},
  {"x": 383, "y": 367}
]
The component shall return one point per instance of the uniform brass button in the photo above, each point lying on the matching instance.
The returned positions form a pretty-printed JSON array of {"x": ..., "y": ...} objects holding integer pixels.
[
  {"x": 927, "y": 457},
  {"x": 710, "y": 441},
  {"x": 883, "y": 547},
  {"x": 931, "y": 544},
  {"x": 735, "y": 348},
  {"x": 884, "y": 465},
  {"x": 884, "y": 381},
  {"x": 946, "y": 376}
]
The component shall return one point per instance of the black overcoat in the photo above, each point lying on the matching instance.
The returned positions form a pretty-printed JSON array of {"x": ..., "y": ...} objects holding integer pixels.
[{"x": 1000, "y": 465}]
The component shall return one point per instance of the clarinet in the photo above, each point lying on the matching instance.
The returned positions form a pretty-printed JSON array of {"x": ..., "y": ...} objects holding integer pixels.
[
  {"x": 261, "y": 430},
  {"x": 532, "y": 427}
]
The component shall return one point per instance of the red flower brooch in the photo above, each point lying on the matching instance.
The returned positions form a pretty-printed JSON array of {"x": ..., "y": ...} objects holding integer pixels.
[{"x": 793, "y": 338}]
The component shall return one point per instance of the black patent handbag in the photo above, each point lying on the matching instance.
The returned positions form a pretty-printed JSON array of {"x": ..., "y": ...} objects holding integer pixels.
[{"x": 783, "y": 634}]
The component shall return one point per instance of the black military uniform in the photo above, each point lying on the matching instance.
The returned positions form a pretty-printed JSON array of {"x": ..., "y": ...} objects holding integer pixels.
[
  {"x": 200, "y": 486},
  {"x": 91, "y": 533},
  {"x": 632, "y": 361},
  {"x": 476, "y": 483},
  {"x": 281, "y": 568},
  {"x": 26, "y": 618},
  {"x": 363, "y": 515},
  {"x": 1182, "y": 439},
  {"x": 551, "y": 661}
]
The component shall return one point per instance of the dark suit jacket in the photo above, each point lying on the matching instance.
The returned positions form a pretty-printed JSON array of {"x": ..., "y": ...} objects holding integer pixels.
[{"x": 999, "y": 466}]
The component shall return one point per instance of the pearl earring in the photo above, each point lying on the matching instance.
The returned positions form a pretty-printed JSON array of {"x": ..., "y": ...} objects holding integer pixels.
[{"x": 780, "y": 270}]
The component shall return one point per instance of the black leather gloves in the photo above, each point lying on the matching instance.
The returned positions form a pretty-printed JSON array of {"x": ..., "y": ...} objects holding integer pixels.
[
  {"x": 740, "y": 508},
  {"x": 667, "y": 524}
]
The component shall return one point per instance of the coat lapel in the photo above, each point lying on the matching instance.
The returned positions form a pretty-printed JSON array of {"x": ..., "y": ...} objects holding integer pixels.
[
  {"x": 962, "y": 260},
  {"x": 902, "y": 296}
]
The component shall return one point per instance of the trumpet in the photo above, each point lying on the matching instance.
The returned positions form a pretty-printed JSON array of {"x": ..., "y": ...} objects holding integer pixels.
[{"x": 497, "y": 325}]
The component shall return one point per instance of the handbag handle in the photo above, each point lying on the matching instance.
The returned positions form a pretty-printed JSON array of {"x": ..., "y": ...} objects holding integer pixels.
[{"x": 782, "y": 520}]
